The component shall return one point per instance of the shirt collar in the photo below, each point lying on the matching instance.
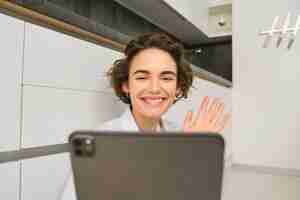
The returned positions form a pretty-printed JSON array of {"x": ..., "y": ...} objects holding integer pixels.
[{"x": 129, "y": 123}]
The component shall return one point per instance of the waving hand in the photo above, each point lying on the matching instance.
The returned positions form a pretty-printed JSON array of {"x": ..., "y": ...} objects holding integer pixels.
[{"x": 210, "y": 117}]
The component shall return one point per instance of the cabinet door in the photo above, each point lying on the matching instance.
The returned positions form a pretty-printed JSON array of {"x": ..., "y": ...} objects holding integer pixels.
[
  {"x": 45, "y": 177},
  {"x": 11, "y": 48},
  {"x": 200, "y": 89},
  {"x": 50, "y": 115},
  {"x": 54, "y": 59},
  {"x": 266, "y": 109}
]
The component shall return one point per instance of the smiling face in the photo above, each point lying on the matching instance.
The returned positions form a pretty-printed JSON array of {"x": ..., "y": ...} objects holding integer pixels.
[{"x": 152, "y": 83}]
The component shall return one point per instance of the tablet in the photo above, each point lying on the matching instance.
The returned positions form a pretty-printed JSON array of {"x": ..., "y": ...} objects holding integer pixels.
[{"x": 148, "y": 166}]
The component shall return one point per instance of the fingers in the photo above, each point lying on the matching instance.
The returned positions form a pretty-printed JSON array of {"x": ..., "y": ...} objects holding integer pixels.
[
  {"x": 210, "y": 111},
  {"x": 215, "y": 108},
  {"x": 216, "y": 112},
  {"x": 214, "y": 105},
  {"x": 203, "y": 108},
  {"x": 225, "y": 120},
  {"x": 210, "y": 117},
  {"x": 188, "y": 120}
]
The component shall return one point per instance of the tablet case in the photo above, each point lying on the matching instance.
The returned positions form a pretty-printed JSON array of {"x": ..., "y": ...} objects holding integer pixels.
[{"x": 148, "y": 166}]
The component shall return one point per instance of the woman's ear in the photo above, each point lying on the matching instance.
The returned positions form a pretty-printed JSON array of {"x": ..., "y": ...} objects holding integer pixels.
[
  {"x": 178, "y": 92},
  {"x": 125, "y": 87}
]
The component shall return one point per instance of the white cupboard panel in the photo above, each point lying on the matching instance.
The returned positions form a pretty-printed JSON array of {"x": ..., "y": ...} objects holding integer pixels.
[
  {"x": 266, "y": 111},
  {"x": 58, "y": 60},
  {"x": 194, "y": 11},
  {"x": 45, "y": 177},
  {"x": 200, "y": 89},
  {"x": 217, "y": 13},
  {"x": 11, "y": 48},
  {"x": 9, "y": 181},
  {"x": 50, "y": 115}
]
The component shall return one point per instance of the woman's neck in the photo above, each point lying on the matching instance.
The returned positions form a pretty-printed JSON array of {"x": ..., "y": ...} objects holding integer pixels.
[{"x": 145, "y": 123}]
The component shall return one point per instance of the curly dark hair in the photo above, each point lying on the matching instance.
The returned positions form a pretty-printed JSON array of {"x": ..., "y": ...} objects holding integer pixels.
[{"x": 119, "y": 72}]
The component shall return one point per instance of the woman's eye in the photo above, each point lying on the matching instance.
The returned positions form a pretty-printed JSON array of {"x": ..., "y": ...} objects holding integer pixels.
[
  {"x": 140, "y": 78},
  {"x": 167, "y": 78}
]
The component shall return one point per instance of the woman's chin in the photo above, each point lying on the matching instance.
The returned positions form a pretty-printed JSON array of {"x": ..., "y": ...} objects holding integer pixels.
[
  {"x": 153, "y": 113},
  {"x": 154, "y": 116}
]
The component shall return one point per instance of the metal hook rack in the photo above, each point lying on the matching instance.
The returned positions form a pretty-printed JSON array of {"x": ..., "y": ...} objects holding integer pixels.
[{"x": 286, "y": 31}]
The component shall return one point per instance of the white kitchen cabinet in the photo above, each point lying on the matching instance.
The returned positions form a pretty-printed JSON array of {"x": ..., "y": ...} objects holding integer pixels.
[
  {"x": 57, "y": 60},
  {"x": 9, "y": 180},
  {"x": 11, "y": 48},
  {"x": 65, "y": 89},
  {"x": 45, "y": 177},
  {"x": 266, "y": 109},
  {"x": 220, "y": 18},
  {"x": 50, "y": 115}
]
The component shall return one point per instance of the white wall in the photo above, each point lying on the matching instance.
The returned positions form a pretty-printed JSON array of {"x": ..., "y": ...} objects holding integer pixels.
[
  {"x": 265, "y": 107},
  {"x": 266, "y": 110}
]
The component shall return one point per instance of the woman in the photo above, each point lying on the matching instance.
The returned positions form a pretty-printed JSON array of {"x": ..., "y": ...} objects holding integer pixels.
[{"x": 150, "y": 79}]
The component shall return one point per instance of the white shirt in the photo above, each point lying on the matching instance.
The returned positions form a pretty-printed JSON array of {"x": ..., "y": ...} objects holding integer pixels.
[{"x": 125, "y": 122}]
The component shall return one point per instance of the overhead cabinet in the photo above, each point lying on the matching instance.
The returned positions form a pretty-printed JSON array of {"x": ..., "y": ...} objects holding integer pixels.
[{"x": 212, "y": 17}]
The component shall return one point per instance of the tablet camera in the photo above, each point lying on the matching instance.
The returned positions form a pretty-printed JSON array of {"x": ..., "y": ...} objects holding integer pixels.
[{"x": 83, "y": 146}]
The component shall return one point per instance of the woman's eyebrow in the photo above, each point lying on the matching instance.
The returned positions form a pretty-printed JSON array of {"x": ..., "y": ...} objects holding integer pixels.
[
  {"x": 169, "y": 73},
  {"x": 141, "y": 71}
]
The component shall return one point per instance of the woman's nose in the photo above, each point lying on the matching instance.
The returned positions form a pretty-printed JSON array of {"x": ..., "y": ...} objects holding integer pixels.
[{"x": 154, "y": 85}]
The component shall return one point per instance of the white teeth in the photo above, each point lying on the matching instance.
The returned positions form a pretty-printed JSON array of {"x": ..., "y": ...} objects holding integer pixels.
[{"x": 153, "y": 101}]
